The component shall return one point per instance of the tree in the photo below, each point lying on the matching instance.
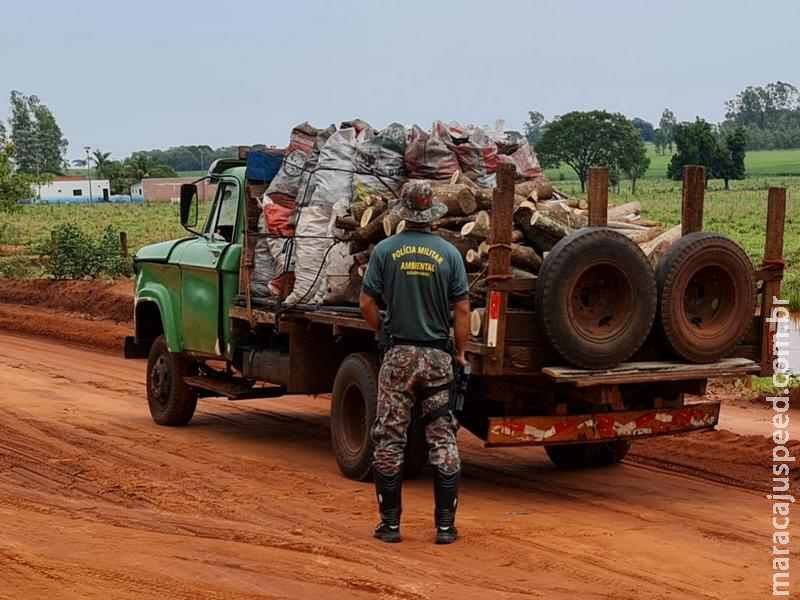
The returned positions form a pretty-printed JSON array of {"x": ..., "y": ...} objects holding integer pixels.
[
  {"x": 645, "y": 129},
  {"x": 534, "y": 127},
  {"x": 2, "y": 134},
  {"x": 730, "y": 157},
  {"x": 52, "y": 145},
  {"x": 139, "y": 166},
  {"x": 667, "y": 125},
  {"x": 634, "y": 161},
  {"x": 695, "y": 144},
  {"x": 101, "y": 162},
  {"x": 659, "y": 141},
  {"x": 586, "y": 139},
  {"x": 39, "y": 146},
  {"x": 14, "y": 186},
  {"x": 189, "y": 158},
  {"x": 770, "y": 116}
]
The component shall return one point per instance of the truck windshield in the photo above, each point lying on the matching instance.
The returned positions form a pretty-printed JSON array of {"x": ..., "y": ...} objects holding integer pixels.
[{"x": 222, "y": 219}]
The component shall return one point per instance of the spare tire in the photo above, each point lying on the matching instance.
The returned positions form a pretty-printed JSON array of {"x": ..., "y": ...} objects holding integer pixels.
[
  {"x": 595, "y": 298},
  {"x": 706, "y": 295}
]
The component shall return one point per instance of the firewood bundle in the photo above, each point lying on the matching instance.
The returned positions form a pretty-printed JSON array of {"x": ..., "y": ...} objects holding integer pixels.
[{"x": 542, "y": 216}]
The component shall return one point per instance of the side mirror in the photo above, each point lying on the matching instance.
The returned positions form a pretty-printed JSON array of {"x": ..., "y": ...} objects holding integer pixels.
[{"x": 188, "y": 201}]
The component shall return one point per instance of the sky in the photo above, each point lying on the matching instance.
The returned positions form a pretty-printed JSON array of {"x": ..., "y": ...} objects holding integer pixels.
[{"x": 126, "y": 76}]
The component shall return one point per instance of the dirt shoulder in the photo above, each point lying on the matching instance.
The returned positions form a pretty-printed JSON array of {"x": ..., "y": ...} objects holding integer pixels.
[{"x": 93, "y": 314}]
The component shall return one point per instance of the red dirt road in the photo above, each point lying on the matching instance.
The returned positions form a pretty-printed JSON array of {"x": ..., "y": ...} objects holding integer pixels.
[{"x": 246, "y": 502}]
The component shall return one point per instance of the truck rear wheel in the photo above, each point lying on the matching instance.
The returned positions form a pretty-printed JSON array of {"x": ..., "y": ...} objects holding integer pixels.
[
  {"x": 613, "y": 452},
  {"x": 574, "y": 456},
  {"x": 354, "y": 405},
  {"x": 595, "y": 298},
  {"x": 588, "y": 454},
  {"x": 172, "y": 402},
  {"x": 353, "y": 408}
]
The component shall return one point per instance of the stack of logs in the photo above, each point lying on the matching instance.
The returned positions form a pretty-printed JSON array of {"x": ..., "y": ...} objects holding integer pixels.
[{"x": 542, "y": 216}]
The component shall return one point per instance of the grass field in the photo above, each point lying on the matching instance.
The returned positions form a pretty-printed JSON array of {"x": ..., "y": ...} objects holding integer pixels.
[{"x": 756, "y": 163}]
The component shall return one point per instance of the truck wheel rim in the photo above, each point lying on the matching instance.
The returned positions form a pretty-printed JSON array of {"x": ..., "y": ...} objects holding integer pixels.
[
  {"x": 706, "y": 307},
  {"x": 600, "y": 301},
  {"x": 354, "y": 427},
  {"x": 160, "y": 381}
]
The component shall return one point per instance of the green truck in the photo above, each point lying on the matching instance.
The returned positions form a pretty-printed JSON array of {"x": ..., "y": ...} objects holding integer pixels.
[{"x": 204, "y": 335}]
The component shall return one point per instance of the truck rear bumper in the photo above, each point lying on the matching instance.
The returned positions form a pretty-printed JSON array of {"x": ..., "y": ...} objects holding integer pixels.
[{"x": 629, "y": 425}]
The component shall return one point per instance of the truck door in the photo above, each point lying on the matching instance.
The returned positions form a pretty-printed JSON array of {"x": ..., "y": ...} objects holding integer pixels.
[{"x": 202, "y": 266}]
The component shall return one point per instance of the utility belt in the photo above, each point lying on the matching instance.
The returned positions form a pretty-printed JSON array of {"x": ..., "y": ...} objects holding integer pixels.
[
  {"x": 445, "y": 345},
  {"x": 457, "y": 387}
]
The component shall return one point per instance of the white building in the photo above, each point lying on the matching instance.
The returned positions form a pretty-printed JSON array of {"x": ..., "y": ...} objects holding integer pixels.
[
  {"x": 72, "y": 188},
  {"x": 137, "y": 190}
]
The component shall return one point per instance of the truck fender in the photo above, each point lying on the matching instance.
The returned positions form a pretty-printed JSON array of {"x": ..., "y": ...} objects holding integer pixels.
[{"x": 152, "y": 300}]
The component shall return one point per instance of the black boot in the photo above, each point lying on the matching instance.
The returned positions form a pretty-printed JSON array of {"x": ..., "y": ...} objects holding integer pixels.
[
  {"x": 387, "y": 488},
  {"x": 445, "y": 491}
]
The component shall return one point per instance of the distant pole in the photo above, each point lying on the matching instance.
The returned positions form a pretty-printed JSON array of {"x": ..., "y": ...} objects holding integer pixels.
[
  {"x": 202, "y": 168},
  {"x": 88, "y": 172}
]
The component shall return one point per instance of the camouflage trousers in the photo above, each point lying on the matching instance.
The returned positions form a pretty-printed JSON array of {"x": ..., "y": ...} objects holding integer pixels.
[{"x": 406, "y": 370}]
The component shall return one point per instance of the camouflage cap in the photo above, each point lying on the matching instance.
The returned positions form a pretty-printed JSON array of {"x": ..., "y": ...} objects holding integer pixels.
[{"x": 417, "y": 203}]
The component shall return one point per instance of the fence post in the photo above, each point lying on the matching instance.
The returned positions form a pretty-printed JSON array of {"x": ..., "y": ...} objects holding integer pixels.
[
  {"x": 598, "y": 197},
  {"x": 773, "y": 256},
  {"x": 123, "y": 243}
]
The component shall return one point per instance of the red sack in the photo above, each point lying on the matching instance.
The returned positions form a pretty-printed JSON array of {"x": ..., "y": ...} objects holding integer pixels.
[
  {"x": 476, "y": 151},
  {"x": 527, "y": 164},
  {"x": 428, "y": 155},
  {"x": 277, "y": 218},
  {"x": 282, "y": 285}
]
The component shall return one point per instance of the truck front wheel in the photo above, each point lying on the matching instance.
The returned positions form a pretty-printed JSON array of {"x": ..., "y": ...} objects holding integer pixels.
[{"x": 171, "y": 401}]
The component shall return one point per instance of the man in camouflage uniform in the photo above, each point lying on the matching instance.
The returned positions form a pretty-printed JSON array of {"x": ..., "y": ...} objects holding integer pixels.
[{"x": 420, "y": 276}]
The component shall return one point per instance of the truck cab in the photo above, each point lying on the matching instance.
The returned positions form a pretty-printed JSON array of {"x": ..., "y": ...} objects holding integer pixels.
[{"x": 185, "y": 288}]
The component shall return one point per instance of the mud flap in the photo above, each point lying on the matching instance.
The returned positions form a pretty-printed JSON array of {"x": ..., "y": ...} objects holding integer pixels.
[{"x": 134, "y": 349}]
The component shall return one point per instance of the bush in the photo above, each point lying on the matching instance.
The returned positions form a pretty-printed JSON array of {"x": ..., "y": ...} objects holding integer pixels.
[
  {"x": 76, "y": 256},
  {"x": 17, "y": 267}
]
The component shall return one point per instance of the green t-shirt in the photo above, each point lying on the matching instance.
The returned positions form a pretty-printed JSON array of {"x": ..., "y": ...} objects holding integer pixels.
[{"x": 420, "y": 275}]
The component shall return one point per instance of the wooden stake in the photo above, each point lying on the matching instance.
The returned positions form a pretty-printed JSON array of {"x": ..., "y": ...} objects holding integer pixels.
[
  {"x": 773, "y": 251},
  {"x": 499, "y": 265},
  {"x": 123, "y": 244},
  {"x": 694, "y": 189},
  {"x": 598, "y": 197}
]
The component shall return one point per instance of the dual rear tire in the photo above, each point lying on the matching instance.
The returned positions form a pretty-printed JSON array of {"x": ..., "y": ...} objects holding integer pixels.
[{"x": 589, "y": 454}]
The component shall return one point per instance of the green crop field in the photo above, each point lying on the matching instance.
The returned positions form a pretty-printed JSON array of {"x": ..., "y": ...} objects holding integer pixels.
[{"x": 757, "y": 163}]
